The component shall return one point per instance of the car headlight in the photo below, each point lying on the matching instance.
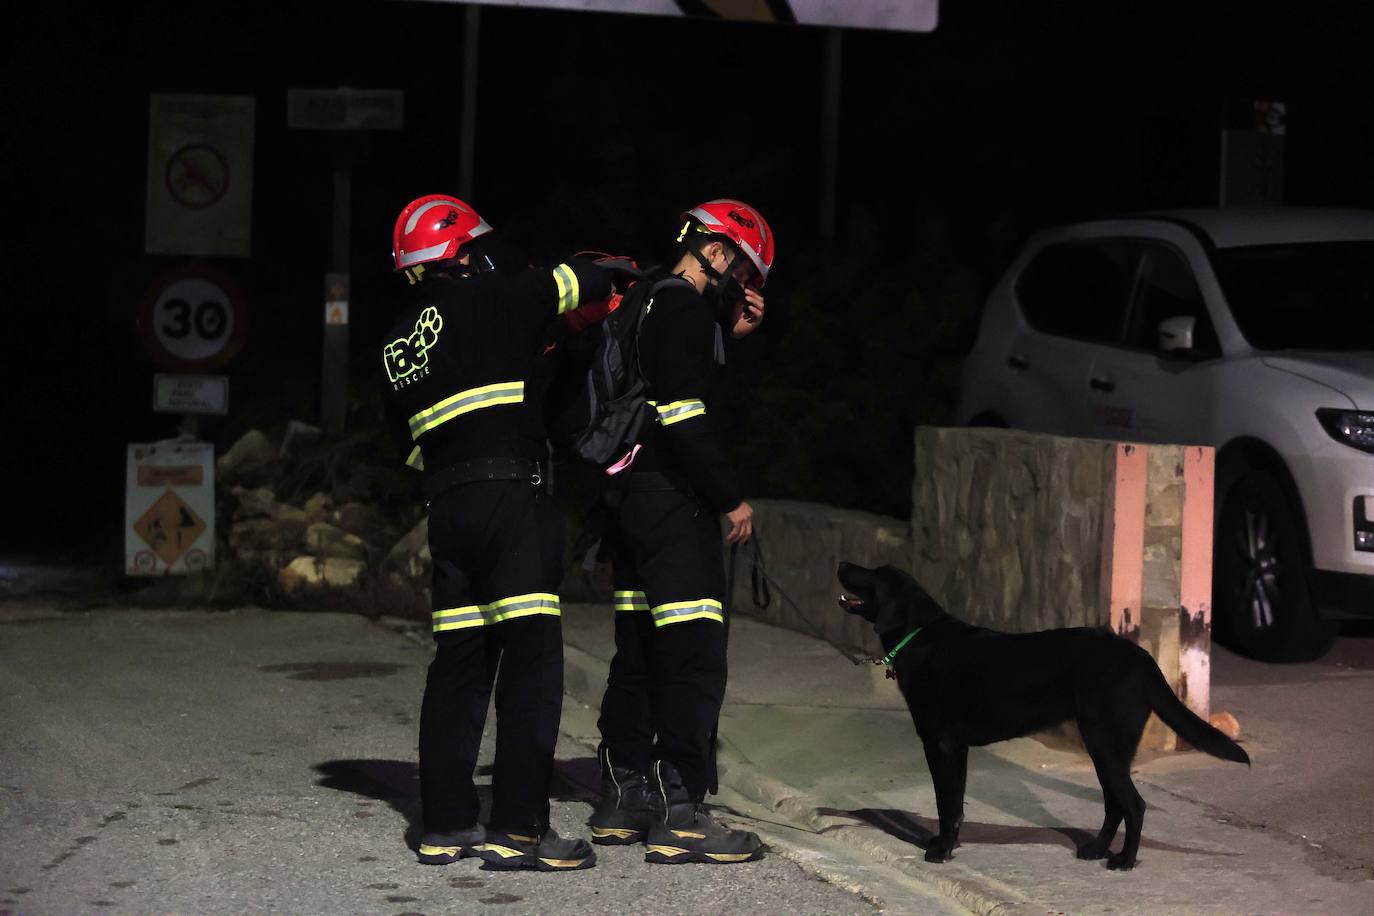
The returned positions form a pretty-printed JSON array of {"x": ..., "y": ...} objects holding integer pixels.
[{"x": 1353, "y": 427}]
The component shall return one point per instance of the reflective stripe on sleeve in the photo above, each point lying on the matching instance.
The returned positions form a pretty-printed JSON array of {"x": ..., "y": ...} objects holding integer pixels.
[
  {"x": 568, "y": 290},
  {"x": 676, "y": 412},
  {"x": 631, "y": 601},
  {"x": 416, "y": 459},
  {"x": 466, "y": 402},
  {"x": 682, "y": 611}
]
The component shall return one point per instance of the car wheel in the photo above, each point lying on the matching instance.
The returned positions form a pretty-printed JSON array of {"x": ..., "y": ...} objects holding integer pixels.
[{"x": 1259, "y": 577}]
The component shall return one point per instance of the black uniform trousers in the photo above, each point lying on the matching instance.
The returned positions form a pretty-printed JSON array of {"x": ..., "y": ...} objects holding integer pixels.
[
  {"x": 667, "y": 679},
  {"x": 497, "y": 550}
]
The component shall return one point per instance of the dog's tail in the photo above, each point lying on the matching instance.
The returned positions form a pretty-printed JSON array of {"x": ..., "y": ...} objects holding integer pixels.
[{"x": 1189, "y": 725}]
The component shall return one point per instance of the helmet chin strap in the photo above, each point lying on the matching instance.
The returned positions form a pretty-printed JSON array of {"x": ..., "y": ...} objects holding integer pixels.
[{"x": 721, "y": 288}]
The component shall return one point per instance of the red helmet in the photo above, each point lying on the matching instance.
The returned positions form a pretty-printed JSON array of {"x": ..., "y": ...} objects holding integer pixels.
[
  {"x": 740, "y": 223},
  {"x": 434, "y": 228}
]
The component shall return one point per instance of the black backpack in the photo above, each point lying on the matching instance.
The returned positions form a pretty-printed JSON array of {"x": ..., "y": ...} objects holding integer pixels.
[{"x": 603, "y": 421}]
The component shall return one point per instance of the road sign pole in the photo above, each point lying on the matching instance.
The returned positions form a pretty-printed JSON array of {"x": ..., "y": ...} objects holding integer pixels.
[
  {"x": 467, "y": 144},
  {"x": 334, "y": 359},
  {"x": 830, "y": 137}
]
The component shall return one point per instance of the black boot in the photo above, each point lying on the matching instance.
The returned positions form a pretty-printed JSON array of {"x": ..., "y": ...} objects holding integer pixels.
[
  {"x": 627, "y": 806},
  {"x": 443, "y": 848},
  {"x": 686, "y": 833},
  {"x": 550, "y": 852}
]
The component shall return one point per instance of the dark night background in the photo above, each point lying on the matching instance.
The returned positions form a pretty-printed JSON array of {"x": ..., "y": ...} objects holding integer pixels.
[{"x": 595, "y": 131}]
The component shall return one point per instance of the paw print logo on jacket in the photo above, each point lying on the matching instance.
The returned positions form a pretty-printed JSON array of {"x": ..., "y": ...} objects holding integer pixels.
[{"x": 407, "y": 354}]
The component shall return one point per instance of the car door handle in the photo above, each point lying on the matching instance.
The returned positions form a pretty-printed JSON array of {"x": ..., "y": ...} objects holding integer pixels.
[
  {"x": 1019, "y": 363},
  {"x": 1101, "y": 384}
]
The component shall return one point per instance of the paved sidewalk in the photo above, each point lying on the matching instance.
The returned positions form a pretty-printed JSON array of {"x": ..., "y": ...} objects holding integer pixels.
[{"x": 830, "y": 749}]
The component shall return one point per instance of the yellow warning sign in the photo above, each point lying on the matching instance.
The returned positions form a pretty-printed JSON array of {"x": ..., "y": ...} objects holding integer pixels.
[{"x": 169, "y": 527}]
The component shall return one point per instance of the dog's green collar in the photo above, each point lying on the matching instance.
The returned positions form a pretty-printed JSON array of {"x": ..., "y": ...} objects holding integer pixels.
[{"x": 887, "y": 659}]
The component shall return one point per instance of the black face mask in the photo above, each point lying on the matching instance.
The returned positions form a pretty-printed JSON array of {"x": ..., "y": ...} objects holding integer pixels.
[{"x": 722, "y": 291}]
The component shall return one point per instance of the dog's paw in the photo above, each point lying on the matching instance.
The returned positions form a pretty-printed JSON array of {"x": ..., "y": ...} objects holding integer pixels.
[
  {"x": 1120, "y": 862},
  {"x": 939, "y": 851},
  {"x": 1091, "y": 851}
]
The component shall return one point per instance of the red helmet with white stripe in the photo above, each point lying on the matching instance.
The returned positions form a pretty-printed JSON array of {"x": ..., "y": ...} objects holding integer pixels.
[
  {"x": 742, "y": 225},
  {"x": 434, "y": 228}
]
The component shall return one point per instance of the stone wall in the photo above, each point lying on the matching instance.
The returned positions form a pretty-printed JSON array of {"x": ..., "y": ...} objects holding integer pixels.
[{"x": 1007, "y": 527}]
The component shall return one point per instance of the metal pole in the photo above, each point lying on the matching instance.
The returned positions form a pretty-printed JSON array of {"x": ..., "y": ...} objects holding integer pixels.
[
  {"x": 830, "y": 136},
  {"x": 467, "y": 141},
  {"x": 334, "y": 359}
]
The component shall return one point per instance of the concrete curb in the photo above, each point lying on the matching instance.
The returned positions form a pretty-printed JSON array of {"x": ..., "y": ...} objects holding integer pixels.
[{"x": 585, "y": 679}]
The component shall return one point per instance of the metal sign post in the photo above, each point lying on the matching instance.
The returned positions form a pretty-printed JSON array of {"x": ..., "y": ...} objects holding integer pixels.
[{"x": 334, "y": 110}]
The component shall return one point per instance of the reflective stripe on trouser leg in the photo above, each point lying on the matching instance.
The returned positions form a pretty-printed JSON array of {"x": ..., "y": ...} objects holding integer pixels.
[
  {"x": 629, "y": 600},
  {"x": 681, "y": 611},
  {"x": 516, "y": 606}
]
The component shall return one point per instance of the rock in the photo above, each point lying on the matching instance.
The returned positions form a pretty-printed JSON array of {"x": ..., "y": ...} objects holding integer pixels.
[
  {"x": 324, "y": 540},
  {"x": 258, "y": 503},
  {"x": 319, "y": 506},
  {"x": 355, "y": 517},
  {"x": 255, "y": 535},
  {"x": 292, "y": 522},
  {"x": 252, "y": 453},
  {"x": 309, "y": 573},
  {"x": 298, "y": 434},
  {"x": 1225, "y": 723}
]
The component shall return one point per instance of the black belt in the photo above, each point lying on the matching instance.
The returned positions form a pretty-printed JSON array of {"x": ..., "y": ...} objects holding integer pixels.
[{"x": 478, "y": 469}]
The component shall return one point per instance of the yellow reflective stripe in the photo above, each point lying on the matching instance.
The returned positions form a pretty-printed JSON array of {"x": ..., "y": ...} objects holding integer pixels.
[
  {"x": 458, "y": 618},
  {"x": 416, "y": 459},
  {"x": 681, "y": 611},
  {"x": 477, "y": 615},
  {"x": 464, "y": 402},
  {"x": 631, "y": 601},
  {"x": 523, "y": 606},
  {"x": 676, "y": 412},
  {"x": 568, "y": 290}
]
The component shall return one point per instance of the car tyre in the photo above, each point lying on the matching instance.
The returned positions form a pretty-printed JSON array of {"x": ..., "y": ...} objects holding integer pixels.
[{"x": 1259, "y": 576}]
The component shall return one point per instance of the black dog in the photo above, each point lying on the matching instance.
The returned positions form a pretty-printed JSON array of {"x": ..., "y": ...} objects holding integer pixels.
[{"x": 967, "y": 685}]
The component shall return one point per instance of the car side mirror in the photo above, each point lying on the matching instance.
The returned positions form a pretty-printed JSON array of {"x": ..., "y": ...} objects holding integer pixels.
[{"x": 1176, "y": 333}]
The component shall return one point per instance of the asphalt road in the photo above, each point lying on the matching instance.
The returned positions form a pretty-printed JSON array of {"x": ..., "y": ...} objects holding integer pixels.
[
  {"x": 193, "y": 762},
  {"x": 1309, "y": 729}
]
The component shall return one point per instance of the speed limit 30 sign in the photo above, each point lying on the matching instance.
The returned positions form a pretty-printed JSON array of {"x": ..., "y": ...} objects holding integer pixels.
[{"x": 192, "y": 320}]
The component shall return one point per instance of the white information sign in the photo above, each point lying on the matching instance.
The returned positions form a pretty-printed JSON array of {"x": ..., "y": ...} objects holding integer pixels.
[
  {"x": 169, "y": 508},
  {"x": 191, "y": 394}
]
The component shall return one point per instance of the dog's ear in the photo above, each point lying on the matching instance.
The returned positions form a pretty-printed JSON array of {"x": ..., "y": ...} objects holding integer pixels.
[{"x": 860, "y": 590}]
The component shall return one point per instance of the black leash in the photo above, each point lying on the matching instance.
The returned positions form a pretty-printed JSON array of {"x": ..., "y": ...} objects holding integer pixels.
[{"x": 760, "y": 585}]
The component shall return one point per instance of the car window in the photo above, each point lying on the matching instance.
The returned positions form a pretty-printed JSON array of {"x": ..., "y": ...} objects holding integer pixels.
[
  {"x": 1168, "y": 289},
  {"x": 1079, "y": 289},
  {"x": 1304, "y": 295}
]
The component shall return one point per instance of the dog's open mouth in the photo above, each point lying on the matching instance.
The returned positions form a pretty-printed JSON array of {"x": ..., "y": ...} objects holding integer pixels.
[{"x": 850, "y": 602}]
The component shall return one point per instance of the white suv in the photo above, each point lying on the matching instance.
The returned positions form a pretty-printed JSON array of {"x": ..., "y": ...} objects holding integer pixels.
[{"x": 1248, "y": 330}]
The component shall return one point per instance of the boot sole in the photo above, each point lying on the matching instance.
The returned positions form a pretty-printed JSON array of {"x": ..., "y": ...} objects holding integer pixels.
[
  {"x": 445, "y": 855},
  {"x": 617, "y": 836},
  {"x": 678, "y": 855},
  {"x": 504, "y": 858}
]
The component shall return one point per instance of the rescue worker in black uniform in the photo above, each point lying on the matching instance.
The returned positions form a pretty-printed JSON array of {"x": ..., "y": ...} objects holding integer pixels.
[
  {"x": 464, "y": 396},
  {"x": 667, "y": 679}
]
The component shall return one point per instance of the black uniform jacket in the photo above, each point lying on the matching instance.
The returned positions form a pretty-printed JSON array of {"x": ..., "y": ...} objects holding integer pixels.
[
  {"x": 678, "y": 347},
  {"x": 462, "y": 365}
]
